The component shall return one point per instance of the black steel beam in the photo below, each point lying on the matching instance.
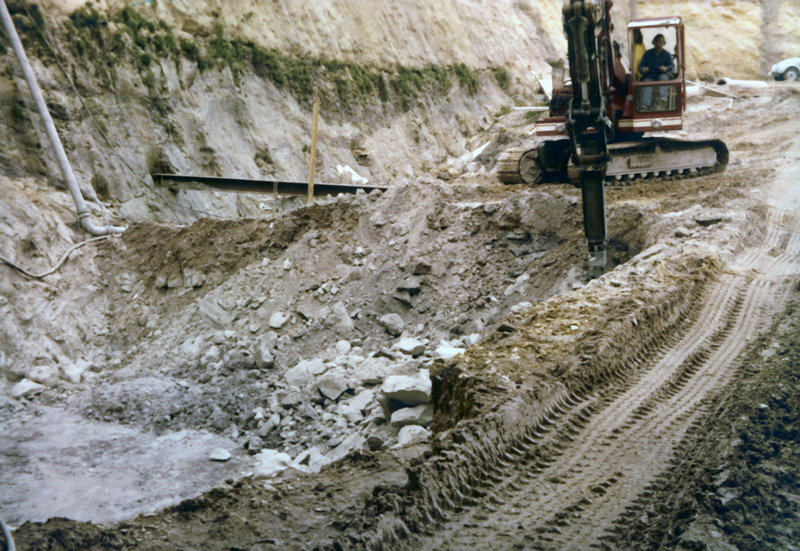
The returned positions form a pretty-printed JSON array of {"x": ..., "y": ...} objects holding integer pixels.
[{"x": 203, "y": 183}]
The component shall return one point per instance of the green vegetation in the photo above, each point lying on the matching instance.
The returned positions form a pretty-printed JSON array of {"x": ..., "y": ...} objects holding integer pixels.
[
  {"x": 300, "y": 75},
  {"x": 28, "y": 30},
  {"x": 467, "y": 78},
  {"x": 532, "y": 115},
  {"x": 149, "y": 79},
  {"x": 86, "y": 17},
  {"x": 504, "y": 110},
  {"x": 226, "y": 54},
  {"x": 17, "y": 113},
  {"x": 38, "y": 18},
  {"x": 190, "y": 50},
  {"x": 268, "y": 62},
  {"x": 144, "y": 61},
  {"x": 134, "y": 21},
  {"x": 341, "y": 85},
  {"x": 501, "y": 75}
]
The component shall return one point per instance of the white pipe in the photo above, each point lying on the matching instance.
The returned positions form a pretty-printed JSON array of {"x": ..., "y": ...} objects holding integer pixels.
[
  {"x": 7, "y": 536},
  {"x": 742, "y": 83},
  {"x": 52, "y": 135}
]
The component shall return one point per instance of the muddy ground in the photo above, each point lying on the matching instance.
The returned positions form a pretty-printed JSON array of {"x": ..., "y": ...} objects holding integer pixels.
[{"x": 560, "y": 353}]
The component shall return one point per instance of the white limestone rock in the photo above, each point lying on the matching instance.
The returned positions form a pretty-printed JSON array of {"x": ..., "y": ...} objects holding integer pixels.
[
  {"x": 354, "y": 442},
  {"x": 518, "y": 286},
  {"x": 393, "y": 324},
  {"x": 341, "y": 319},
  {"x": 305, "y": 370},
  {"x": 411, "y": 434},
  {"x": 192, "y": 347},
  {"x": 353, "y": 409},
  {"x": 342, "y": 347},
  {"x": 211, "y": 356},
  {"x": 373, "y": 371},
  {"x": 26, "y": 388},
  {"x": 269, "y": 463},
  {"x": 73, "y": 372},
  {"x": 278, "y": 320},
  {"x": 310, "y": 461},
  {"x": 447, "y": 352},
  {"x": 213, "y": 314},
  {"x": 263, "y": 351},
  {"x": 472, "y": 339},
  {"x": 220, "y": 455},
  {"x": 409, "y": 346},
  {"x": 46, "y": 374},
  {"x": 521, "y": 307},
  {"x": 421, "y": 415},
  {"x": 410, "y": 390},
  {"x": 332, "y": 384}
]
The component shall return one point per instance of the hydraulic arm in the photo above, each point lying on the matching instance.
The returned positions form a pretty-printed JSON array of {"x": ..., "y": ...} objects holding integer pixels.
[{"x": 588, "y": 125}]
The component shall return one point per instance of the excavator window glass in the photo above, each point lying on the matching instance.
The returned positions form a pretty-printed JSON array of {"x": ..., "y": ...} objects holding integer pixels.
[
  {"x": 643, "y": 40},
  {"x": 651, "y": 99},
  {"x": 654, "y": 59}
]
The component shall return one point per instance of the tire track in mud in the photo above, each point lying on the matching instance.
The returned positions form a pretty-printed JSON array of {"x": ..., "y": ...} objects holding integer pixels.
[{"x": 617, "y": 443}]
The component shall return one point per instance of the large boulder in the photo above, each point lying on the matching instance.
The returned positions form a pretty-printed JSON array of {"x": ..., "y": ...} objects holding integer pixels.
[{"x": 410, "y": 390}]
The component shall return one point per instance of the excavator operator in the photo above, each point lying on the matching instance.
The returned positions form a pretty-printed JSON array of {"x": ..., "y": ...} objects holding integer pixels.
[{"x": 656, "y": 64}]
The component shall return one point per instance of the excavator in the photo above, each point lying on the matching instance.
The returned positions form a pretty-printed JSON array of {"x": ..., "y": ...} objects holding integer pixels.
[{"x": 596, "y": 131}]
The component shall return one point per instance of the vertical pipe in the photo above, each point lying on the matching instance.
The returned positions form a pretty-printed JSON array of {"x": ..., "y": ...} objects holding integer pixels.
[
  {"x": 312, "y": 164},
  {"x": 52, "y": 135}
]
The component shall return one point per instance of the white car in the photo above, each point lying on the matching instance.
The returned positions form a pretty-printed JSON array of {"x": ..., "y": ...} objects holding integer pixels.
[{"x": 788, "y": 69}]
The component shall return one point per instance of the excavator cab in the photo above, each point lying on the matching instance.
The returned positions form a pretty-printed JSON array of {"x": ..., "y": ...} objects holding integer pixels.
[{"x": 652, "y": 89}]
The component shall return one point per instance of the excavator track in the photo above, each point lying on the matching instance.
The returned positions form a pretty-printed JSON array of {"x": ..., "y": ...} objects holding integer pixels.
[
  {"x": 664, "y": 158},
  {"x": 519, "y": 165},
  {"x": 631, "y": 162}
]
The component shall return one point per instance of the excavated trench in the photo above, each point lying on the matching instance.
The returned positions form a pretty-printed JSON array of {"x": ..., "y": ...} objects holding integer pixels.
[{"x": 551, "y": 430}]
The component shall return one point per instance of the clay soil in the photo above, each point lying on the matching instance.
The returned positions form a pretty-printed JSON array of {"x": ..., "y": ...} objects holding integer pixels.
[{"x": 650, "y": 406}]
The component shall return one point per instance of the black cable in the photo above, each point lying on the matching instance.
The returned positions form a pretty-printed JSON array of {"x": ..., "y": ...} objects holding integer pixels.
[{"x": 58, "y": 264}]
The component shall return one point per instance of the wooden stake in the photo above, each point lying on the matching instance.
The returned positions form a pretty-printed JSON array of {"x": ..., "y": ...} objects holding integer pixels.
[{"x": 312, "y": 167}]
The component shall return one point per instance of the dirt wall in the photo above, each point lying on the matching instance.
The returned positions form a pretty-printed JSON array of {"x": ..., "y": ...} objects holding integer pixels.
[{"x": 733, "y": 38}]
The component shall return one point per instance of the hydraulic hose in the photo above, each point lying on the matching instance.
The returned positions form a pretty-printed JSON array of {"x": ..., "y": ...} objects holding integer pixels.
[{"x": 52, "y": 134}]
